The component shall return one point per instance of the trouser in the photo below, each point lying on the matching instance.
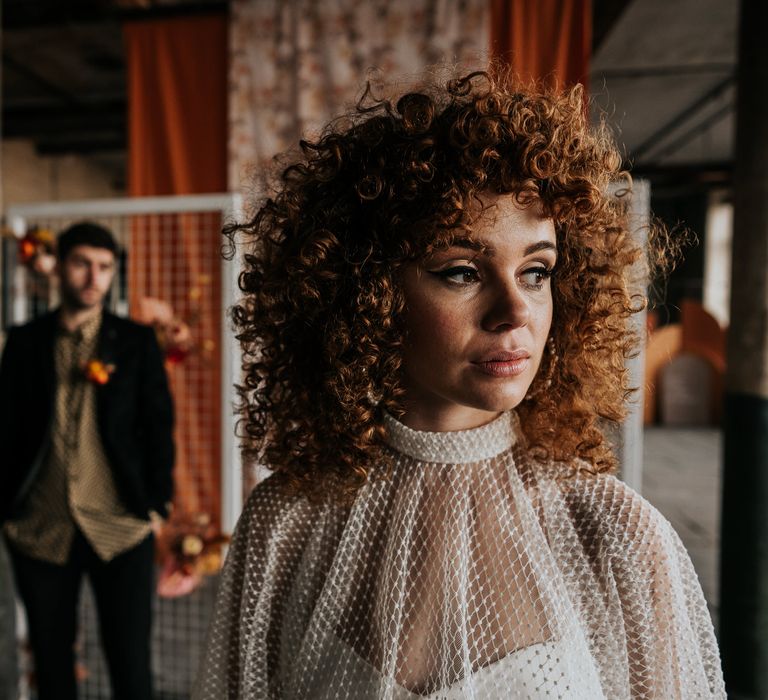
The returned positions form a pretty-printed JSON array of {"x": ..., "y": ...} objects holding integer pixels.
[
  {"x": 122, "y": 589},
  {"x": 8, "y": 661}
]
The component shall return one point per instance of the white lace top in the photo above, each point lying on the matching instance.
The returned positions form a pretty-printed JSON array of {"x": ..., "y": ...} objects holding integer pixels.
[{"x": 470, "y": 571}]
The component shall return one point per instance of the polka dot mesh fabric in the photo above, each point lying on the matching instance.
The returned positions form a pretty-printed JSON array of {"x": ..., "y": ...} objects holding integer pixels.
[{"x": 471, "y": 572}]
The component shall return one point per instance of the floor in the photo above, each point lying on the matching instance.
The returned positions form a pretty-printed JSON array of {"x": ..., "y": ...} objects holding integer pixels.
[{"x": 681, "y": 478}]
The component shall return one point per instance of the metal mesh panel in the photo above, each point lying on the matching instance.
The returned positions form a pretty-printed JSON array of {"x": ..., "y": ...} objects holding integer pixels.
[
  {"x": 178, "y": 636},
  {"x": 175, "y": 258}
]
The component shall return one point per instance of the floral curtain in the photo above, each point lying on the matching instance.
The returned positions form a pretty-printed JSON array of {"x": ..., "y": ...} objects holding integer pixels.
[{"x": 297, "y": 63}]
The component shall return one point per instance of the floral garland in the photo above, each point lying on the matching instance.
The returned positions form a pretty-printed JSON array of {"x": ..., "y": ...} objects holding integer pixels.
[
  {"x": 36, "y": 250},
  {"x": 174, "y": 331}
]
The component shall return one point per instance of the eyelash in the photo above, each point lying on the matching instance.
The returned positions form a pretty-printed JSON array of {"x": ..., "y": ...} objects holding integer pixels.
[
  {"x": 542, "y": 272},
  {"x": 457, "y": 270}
]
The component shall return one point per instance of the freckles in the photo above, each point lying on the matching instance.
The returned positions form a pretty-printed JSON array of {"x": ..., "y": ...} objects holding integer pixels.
[
  {"x": 542, "y": 309},
  {"x": 446, "y": 325},
  {"x": 435, "y": 332},
  {"x": 428, "y": 314},
  {"x": 447, "y": 317}
]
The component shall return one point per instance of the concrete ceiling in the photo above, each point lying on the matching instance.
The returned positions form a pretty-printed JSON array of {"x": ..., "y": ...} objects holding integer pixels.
[
  {"x": 63, "y": 82},
  {"x": 665, "y": 75},
  {"x": 64, "y": 86},
  {"x": 663, "y": 70}
]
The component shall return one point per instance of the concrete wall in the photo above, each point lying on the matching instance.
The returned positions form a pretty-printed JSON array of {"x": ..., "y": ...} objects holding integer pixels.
[{"x": 29, "y": 177}]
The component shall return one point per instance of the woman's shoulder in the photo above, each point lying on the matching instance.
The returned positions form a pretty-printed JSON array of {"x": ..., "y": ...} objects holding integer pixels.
[
  {"x": 603, "y": 506},
  {"x": 271, "y": 500},
  {"x": 276, "y": 510},
  {"x": 275, "y": 522}
]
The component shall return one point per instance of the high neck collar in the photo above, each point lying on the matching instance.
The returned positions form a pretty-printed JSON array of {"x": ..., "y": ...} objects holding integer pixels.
[{"x": 455, "y": 447}]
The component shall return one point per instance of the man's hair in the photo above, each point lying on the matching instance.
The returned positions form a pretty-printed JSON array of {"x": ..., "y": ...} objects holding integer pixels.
[{"x": 84, "y": 233}]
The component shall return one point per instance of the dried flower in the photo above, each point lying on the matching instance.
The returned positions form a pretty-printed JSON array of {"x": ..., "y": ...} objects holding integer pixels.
[
  {"x": 189, "y": 546},
  {"x": 192, "y": 545},
  {"x": 36, "y": 250}
]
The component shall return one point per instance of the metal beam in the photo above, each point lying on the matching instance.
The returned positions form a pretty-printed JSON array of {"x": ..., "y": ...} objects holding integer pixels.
[
  {"x": 43, "y": 121},
  {"x": 681, "y": 117},
  {"x": 80, "y": 144},
  {"x": 663, "y": 71},
  {"x": 685, "y": 138},
  {"x": 37, "y": 79}
]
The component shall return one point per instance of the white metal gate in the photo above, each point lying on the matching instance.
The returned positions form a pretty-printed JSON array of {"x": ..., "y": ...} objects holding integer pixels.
[{"x": 180, "y": 623}]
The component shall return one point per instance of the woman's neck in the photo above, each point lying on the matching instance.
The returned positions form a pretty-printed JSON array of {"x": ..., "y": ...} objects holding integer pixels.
[{"x": 445, "y": 417}]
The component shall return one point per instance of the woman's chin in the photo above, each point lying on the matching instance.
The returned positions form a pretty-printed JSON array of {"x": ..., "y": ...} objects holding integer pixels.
[{"x": 500, "y": 401}]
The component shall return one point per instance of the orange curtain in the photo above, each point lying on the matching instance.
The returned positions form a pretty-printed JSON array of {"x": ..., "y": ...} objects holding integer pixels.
[
  {"x": 549, "y": 40},
  {"x": 177, "y": 88},
  {"x": 177, "y": 121}
]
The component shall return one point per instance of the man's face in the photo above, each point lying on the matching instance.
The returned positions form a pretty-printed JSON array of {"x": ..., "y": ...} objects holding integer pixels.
[{"x": 86, "y": 276}]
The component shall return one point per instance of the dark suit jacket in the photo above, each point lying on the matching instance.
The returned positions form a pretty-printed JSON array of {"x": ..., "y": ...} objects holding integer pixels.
[{"x": 134, "y": 412}]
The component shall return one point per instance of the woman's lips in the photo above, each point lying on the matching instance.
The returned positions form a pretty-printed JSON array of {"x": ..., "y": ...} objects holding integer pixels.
[{"x": 504, "y": 364}]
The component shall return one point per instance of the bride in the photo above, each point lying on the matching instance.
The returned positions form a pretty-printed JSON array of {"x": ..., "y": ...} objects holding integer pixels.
[{"x": 434, "y": 328}]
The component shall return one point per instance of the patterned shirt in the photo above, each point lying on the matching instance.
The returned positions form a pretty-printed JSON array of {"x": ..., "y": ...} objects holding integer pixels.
[{"x": 75, "y": 487}]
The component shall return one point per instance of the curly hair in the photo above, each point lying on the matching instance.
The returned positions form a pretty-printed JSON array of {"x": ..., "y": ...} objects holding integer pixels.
[{"x": 321, "y": 320}]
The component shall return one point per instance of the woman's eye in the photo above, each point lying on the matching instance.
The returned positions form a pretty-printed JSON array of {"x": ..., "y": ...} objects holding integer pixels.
[
  {"x": 535, "y": 277},
  {"x": 459, "y": 274}
]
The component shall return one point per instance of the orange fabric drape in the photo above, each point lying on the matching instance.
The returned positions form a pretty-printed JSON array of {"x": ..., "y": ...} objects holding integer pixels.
[
  {"x": 177, "y": 101},
  {"x": 177, "y": 97},
  {"x": 549, "y": 40}
]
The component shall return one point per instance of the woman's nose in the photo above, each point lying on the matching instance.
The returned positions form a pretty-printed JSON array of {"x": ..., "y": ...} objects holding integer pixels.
[{"x": 507, "y": 307}]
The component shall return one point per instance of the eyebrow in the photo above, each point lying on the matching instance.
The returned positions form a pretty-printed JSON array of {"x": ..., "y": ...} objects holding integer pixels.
[
  {"x": 541, "y": 245},
  {"x": 84, "y": 259},
  {"x": 488, "y": 250}
]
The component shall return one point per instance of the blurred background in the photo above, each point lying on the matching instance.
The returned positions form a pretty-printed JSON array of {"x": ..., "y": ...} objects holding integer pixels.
[{"x": 159, "y": 119}]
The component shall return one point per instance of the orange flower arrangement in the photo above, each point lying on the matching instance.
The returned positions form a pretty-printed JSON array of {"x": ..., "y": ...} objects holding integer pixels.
[{"x": 190, "y": 548}]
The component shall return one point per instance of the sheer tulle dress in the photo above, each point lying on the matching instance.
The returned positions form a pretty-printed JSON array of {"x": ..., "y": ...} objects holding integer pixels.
[{"x": 471, "y": 571}]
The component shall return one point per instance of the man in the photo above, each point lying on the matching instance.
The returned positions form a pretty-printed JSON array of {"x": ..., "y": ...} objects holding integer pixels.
[{"x": 85, "y": 428}]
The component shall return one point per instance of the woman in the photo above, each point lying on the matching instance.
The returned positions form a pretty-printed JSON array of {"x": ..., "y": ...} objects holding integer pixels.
[{"x": 435, "y": 328}]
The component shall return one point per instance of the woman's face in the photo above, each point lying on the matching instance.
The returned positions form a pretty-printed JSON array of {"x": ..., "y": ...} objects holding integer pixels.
[{"x": 478, "y": 315}]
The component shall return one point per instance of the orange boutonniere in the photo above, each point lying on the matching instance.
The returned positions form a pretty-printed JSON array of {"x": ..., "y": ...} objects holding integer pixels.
[{"x": 97, "y": 371}]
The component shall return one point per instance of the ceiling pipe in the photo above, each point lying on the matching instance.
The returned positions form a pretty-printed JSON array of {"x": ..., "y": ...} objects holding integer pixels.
[{"x": 660, "y": 134}]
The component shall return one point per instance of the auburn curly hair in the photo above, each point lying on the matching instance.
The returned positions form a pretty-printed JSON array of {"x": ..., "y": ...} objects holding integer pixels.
[{"x": 321, "y": 320}]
